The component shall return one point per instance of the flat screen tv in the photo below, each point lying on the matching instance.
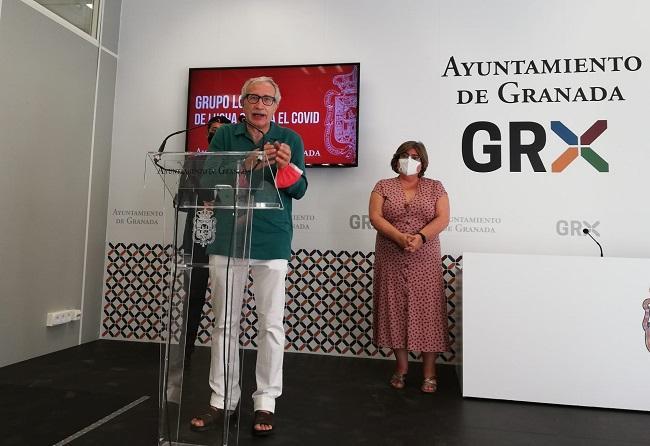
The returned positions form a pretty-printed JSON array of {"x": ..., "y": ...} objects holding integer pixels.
[{"x": 320, "y": 102}]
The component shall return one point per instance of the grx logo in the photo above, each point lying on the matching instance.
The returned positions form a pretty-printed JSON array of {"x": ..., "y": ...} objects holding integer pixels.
[
  {"x": 575, "y": 227},
  {"x": 525, "y": 142},
  {"x": 583, "y": 146}
]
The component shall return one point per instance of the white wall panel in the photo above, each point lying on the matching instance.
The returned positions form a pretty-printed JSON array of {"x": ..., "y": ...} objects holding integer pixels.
[
  {"x": 47, "y": 87},
  {"x": 404, "y": 49}
]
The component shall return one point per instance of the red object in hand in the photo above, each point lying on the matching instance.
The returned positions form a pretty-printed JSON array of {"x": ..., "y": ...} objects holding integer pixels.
[{"x": 287, "y": 176}]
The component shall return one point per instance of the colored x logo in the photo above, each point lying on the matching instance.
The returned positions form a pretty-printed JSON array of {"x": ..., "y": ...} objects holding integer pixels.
[{"x": 585, "y": 151}]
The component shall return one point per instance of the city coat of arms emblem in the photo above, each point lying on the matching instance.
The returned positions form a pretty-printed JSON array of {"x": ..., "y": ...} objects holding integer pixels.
[{"x": 205, "y": 225}]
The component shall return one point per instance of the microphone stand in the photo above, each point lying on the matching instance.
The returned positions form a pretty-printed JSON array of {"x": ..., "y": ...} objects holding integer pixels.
[
  {"x": 261, "y": 143},
  {"x": 162, "y": 145},
  {"x": 156, "y": 159},
  {"x": 587, "y": 232},
  {"x": 165, "y": 390}
]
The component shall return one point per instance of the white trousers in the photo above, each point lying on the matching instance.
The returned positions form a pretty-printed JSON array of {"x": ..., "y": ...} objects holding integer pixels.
[{"x": 269, "y": 285}]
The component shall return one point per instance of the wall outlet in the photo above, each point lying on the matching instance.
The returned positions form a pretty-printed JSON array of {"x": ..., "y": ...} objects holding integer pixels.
[{"x": 62, "y": 317}]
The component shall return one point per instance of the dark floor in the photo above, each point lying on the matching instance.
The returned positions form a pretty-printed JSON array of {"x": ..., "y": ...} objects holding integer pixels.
[{"x": 327, "y": 401}]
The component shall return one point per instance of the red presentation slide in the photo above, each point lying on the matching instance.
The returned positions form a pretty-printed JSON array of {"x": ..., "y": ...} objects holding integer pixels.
[{"x": 320, "y": 102}]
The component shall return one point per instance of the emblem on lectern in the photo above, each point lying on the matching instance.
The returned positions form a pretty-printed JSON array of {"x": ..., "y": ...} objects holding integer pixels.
[
  {"x": 205, "y": 226},
  {"x": 646, "y": 322}
]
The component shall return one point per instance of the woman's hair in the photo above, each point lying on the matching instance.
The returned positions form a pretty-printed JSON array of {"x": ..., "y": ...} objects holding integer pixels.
[{"x": 403, "y": 148}]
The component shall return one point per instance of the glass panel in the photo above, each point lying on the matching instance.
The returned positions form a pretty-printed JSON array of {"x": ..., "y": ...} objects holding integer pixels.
[
  {"x": 83, "y": 14},
  {"x": 216, "y": 180},
  {"x": 207, "y": 199}
]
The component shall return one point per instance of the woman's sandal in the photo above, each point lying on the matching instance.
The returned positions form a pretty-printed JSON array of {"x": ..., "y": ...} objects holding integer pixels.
[
  {"x": 429, "y": 385},
  {"x": 398, "y": 381},
  {"x": 212, "y": 419},
  {"x": 262, "y": 417}
]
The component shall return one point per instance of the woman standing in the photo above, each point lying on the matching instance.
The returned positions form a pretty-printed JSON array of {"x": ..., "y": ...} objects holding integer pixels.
[{"x": 409, "y": 212}]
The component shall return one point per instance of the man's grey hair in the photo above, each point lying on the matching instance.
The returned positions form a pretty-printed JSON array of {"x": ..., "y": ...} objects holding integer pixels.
[{"x": 255, "y": 80}]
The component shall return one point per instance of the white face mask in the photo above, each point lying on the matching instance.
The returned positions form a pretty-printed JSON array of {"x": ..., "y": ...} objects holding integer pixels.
[{"x": 408, "y": 166}]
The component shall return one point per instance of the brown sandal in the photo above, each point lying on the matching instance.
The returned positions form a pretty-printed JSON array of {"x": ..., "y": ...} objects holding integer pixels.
[
  {"x": 212, "y": 419},
  {"x": 429, "y": 385},
  {"x": 398, "y": 381},
  {"x": 263, "y": 417}
]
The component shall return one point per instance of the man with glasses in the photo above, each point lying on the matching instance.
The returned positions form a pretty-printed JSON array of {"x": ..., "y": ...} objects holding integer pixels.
[{"x": 269, "y": 255}]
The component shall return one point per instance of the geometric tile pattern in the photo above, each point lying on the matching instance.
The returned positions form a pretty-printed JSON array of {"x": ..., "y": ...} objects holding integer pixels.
[
  {"x": 134, "y": 291},
  {"x": 328, "y": 308}
]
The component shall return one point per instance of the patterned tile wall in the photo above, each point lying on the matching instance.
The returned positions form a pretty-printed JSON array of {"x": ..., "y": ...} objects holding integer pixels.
[{"x": 328, "y": 311}]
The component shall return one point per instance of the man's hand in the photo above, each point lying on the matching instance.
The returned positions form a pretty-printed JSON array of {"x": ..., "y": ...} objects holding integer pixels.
[
  {"x": 282, "y": 154},
  {"x": 278, "y": 153},
  {"x": 270, "y": 153}
]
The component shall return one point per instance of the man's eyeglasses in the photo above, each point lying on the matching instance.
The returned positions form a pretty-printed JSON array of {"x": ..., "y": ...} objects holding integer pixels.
[
  {"x": 255, "y": 98},
  {"x": 413, "y": 157}
]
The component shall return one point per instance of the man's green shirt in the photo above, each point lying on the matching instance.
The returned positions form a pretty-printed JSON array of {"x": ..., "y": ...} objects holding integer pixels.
[{"x": 272, "y": 229}]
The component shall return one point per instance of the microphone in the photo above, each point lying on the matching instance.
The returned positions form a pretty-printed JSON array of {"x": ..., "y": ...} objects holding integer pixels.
[
  {"x": 260, "y": 157},
  {"x": 243, "y": 119},
  {"x": 162, "y": 145},
  {"x": 586, "y": 231}
]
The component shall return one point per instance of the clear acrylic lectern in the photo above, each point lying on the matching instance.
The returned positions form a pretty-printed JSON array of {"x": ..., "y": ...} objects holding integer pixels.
[{"x": 215, "y": 195}]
